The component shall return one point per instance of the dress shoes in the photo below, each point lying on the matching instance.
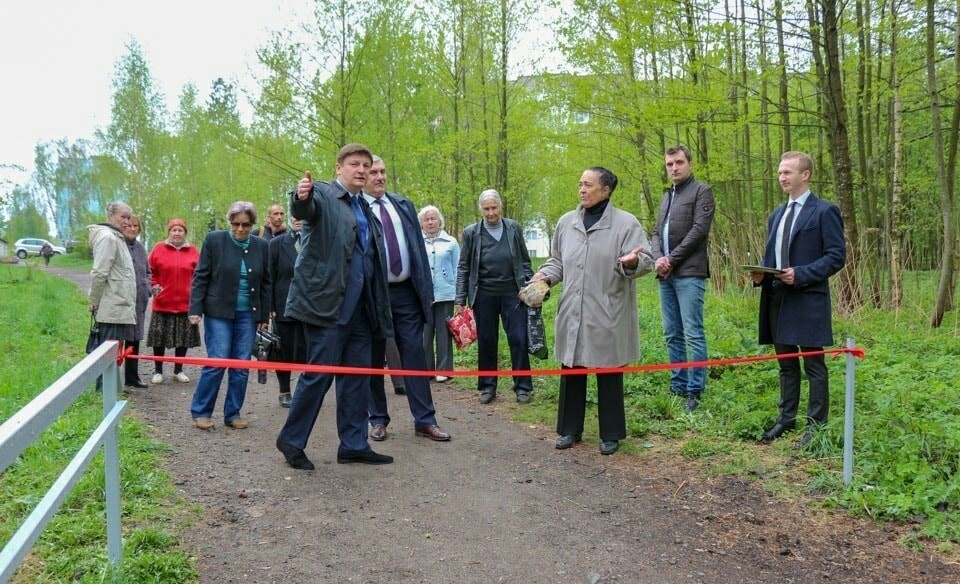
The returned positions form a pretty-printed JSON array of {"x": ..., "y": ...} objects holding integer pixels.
[
  {"x": 487, "y": 397},
  {"x": 378, "y": 432},
  {"x": 433, "y": 432},
  {"x": 778, "y": 430},
  {"x": 295, "y": 457},
  {"x": 365, "y": 457},
  {"x": 693, "y": 402},
  {"x": 567, "y": 440},
  {"x": 400, "y": 390},
  {"x": 809, "y": 434},
  {"x": 136, "y": 383},
  {"x": 609, "y": 447},
  {"x": 285, "y": 400},
  {"x": 523, "y": 397}
]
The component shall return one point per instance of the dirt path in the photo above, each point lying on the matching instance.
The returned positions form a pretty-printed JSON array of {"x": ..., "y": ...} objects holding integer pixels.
[{"x": 496, "y": 504}]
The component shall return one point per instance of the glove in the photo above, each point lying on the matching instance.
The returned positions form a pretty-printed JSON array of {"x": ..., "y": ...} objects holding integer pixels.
[{"x": 534, "y": 293}]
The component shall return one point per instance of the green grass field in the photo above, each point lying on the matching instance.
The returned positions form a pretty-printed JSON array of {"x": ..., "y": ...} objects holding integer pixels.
[{"x": 43, "y": 322}]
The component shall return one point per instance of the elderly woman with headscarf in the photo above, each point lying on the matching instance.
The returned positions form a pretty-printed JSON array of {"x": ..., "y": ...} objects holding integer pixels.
[
  {"x": 443, "y": 251},
  {"x": 172, "y": 263},
  {"x": 494, "y": 265},
  {"x": 598, "y": 252},
  {"x": 142, "y": 270},
  {"x": 231, "y": 288}
]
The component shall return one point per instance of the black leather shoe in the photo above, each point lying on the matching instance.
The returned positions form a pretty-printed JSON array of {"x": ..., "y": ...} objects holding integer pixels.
[
  {"x": 778, "y": 430},
  {"x": 136, "y": 383},
  {"x": 523, "y": 397},
  {"x": 567, "y": 440},
  {"x": 285, "y": 400},
  {"x": 295, "y": 457},
  {"x": 487, "y": 397},
  {"x": 366, "y": 457},
  {"x": 400, "y": 390},
  {"x": 693, "y": 402},
  {"x": 609, "y": 447}
]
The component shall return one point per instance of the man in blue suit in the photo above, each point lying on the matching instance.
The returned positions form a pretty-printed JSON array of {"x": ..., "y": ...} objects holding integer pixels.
[
  {"x": 805, "y": 242},
  {"x": 339, "y": 293},
  {"x": 411, "y": 298}
]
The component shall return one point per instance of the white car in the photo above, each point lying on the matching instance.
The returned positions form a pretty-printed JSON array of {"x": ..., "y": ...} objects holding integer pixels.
[{"x": 32, "y": 246}]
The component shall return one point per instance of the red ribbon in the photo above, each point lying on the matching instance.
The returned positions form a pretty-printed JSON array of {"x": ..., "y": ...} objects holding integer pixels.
[{"x": 857, "y": 352}]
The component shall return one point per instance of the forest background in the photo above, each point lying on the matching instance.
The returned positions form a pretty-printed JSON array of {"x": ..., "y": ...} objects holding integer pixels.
[{"x": 870, "y": 89}]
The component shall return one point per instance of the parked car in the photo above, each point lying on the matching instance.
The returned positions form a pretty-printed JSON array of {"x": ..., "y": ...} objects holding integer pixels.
[{"x": 31, "y": 246}]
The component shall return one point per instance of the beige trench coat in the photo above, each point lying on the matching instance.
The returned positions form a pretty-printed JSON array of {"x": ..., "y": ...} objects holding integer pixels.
[
  {"x": 597, "y": 314},
  {"x": 113, "y": 284}
]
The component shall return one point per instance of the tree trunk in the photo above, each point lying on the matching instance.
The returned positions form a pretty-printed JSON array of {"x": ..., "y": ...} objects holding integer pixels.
[{"x": 896, "y": 228}]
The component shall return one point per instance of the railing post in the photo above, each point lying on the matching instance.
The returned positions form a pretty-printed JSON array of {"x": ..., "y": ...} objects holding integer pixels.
[
  {"x": 111, "y": 464},
  {"x": 848, "y": 407}
]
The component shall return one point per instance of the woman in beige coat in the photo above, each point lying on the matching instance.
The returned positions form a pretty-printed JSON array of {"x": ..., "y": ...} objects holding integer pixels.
[{"x": 597, "y": 252}]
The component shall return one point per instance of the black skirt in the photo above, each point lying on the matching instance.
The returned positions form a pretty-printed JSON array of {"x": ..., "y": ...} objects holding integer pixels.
[{"x": 172, "y": 330}]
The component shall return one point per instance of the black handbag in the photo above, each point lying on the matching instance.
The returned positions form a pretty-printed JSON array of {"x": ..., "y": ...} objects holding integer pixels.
[
  {"x": 93, "y": 339},
  {"x": 536, "y": 333},
  {"x": 266, "y": 348}
]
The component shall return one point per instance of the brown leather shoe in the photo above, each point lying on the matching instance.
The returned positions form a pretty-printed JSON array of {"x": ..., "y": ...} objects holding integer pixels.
[
  {"x": 378, "y": 432},
  {"x": 433, "y": 432},
  {"x": 237, "y": 424},
  {"x": 203, "y": 423}
]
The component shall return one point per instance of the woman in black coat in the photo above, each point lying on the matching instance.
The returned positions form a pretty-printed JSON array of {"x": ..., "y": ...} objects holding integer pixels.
[
  {"x": 231, "y": 288},
  {"x": 141, "y": 269},
  {"x": 284, "y": 249}
]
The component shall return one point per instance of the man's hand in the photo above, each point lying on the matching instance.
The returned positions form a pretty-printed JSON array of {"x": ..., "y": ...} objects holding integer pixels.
[
  {"x": 305, "y": 186},
  {"x": 663, "y": 266},
  {"x": 757, "y": 277},
  {"x": 194, "y": 319},
  {"x": 632, "y": 259},
  {"x": 786, "y": 276}
]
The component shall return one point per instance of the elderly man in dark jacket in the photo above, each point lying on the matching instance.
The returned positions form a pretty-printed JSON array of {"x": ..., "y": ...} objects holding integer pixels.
[
  {"x": 680, "y": 251},
  {"x": 805, "y": 246},
  {"x": 339, "y": 293}
]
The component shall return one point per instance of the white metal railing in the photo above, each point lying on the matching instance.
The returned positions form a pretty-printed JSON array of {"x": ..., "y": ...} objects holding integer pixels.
[{"x": 23, "y": 428}]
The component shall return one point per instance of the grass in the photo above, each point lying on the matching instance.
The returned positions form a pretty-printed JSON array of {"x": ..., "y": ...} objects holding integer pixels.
[
  {"x": 43, "y": 322},
  {"x": 907, "y": 428}
]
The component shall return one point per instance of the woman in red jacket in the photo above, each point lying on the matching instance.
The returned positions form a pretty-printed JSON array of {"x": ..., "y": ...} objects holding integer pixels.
[{"x": 171, "y": 264}]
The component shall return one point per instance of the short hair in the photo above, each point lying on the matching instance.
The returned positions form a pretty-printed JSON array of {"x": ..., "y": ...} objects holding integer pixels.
[
  {"x": 607, "y": 178},
  {"x": 426, "y": 210},
  {"x": 135, "y": 219},
  {"x": 116, "y": 207},
  {"x": 242, "y": 207},
  {"x": 489, "y": 194},
  {"x": 680, "y": 148},
  {"x": 804, "y": 160},
  {"x": 270, "y": 209},
  {"x": 375, "y": 159},
  {"x": 351, "y": 149}
]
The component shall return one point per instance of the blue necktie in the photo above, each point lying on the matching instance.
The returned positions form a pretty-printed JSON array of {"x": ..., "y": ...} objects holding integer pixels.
[
  {"x": 361, "y": 220},
  {"x": 785, "y": 238}
]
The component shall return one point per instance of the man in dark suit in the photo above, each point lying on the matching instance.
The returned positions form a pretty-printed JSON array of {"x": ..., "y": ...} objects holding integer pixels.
[
  {"x": 805, "y": 242},
  {"x": 284, "y": 249},
  {"x": 339, "y": 293},
  {"x": 411, "y": 298}
]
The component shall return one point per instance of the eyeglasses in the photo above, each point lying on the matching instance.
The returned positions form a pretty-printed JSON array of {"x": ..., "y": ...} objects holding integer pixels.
[{"x": 238, "y": 225}]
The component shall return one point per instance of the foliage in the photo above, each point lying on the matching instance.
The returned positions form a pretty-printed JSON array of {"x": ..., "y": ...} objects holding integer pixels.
[{"x": 51, "y": 313}]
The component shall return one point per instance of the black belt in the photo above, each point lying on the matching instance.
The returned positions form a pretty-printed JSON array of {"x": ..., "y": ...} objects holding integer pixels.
[{"x": 403, "y": 283}]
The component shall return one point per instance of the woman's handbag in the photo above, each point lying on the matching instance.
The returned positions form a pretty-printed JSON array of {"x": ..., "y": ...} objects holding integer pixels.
[
  {"x": 536, "y": 334},
  {"x": 463, "y": 328},
  {"x": 93, "y": 339}
]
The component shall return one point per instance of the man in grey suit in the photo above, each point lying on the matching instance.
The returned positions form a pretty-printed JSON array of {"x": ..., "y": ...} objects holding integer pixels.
[{"x": 680, "y": 251}]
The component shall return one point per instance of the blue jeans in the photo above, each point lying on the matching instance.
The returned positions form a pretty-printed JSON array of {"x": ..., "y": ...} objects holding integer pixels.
[
  {"x": 225, "y": 339},
  {"x": 681, "y": 305}
]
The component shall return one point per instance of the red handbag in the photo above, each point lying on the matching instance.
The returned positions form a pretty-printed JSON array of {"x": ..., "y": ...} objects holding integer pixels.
[{"x": 463, "y": 328}]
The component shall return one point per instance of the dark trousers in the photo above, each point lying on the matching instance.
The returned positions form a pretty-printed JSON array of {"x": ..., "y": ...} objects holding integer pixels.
[
  {"x": 347, "y": 345},
  {"x": 489, "y": 310},
  {"x": 610, "y": 409},
  {"x": 439, "y": 332},
  {"x": 131, "y": 372},
  {"x": 293, "y": 349},
  {"x": 408, "y": 334},
  {"x": 815, "y": 368},
  {"x": 177, "y": 352}
]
